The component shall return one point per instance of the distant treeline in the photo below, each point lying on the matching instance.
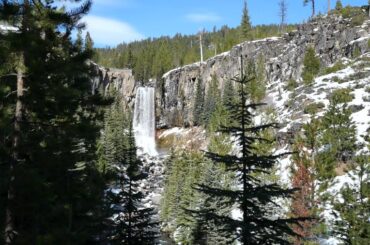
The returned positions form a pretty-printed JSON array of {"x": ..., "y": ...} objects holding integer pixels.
[{"x": 152, "y": 57}]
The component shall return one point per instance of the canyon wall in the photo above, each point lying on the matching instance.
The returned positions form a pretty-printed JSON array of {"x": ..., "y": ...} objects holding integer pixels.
[{"x": 332, "y": 37}]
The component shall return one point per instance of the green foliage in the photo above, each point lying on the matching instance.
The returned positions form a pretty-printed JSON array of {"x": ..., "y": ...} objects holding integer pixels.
[
  {"x": 133, "y": 223},
  {"x": 338, "y": 5},
  {"x": 354, "y": 227},
  {"x": 112, "y": 142},
  {"x": 183, "y": 171},
  {"x": 338, "y": 138},
  {"x": 199, "y": 104},
  {"x": 356, "y": 52},
  {"x": 256, "y": 88},
  {"x": 356, "y": 15},
  {"x": 219, "y": 117},
  {"x": 253, "y": 196},
  {"x": 336, "y": 67},
  {"x": 151, "y": 58},
  {"x": 311, "y": 66},
  {"x": 245, "y": 25},
  {"x": 342, "y": 95},
  {"x": 212, "y": 99},
  {"x": 291, "y": 85},
  {"x": 313, "y": 108},
  {"x": 229, "y": 93},
  {"x": 89, "y": 43},
  {"x": 56, "y": 186}
]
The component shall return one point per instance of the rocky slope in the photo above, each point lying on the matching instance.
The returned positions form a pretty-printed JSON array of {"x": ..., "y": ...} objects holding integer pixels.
[{"x": 332, "y": 37}]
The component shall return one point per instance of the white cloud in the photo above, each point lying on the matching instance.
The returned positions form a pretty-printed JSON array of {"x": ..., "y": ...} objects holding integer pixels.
[
  {"x": 203, "y": 17},
  {"x": 110, "y": 32}
]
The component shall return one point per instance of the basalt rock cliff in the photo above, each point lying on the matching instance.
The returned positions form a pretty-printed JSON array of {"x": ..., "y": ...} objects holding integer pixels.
[{"x": 332, "y": 37}]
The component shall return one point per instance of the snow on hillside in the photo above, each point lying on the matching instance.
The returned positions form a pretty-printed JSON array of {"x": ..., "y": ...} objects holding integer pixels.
[{"x": 290, "y": 110}]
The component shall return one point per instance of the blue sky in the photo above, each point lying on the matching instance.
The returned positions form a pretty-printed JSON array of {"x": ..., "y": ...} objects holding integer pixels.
[{"x": 111, "y": 22}]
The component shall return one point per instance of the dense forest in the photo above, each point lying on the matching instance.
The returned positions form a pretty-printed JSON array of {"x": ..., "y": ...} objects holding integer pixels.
[
  {"x": 152, "y": 57},
  {"x": 71, "y": 171}
]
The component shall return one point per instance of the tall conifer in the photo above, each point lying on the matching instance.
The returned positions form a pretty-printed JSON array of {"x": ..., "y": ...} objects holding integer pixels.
[{"x": 257, "y": 225}]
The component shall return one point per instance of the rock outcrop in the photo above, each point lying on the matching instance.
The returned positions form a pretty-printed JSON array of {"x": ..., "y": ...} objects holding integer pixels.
[
  {"x": 332, "y": 37},
  {"x": 121, "y": 80}
]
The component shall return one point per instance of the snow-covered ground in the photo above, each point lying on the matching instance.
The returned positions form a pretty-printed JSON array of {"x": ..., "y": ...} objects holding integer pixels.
[{"x": 280, "y": 98}]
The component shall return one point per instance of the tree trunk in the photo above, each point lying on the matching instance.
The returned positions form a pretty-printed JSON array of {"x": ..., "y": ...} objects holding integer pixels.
[
  {"x": 10, "y": 231},
  {"x": 328, "y": 6},
  {"x": 10, "y": 228},
  {"x": 313, "y": 8}
]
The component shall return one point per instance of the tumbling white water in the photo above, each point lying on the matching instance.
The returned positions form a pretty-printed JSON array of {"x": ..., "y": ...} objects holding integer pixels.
[{"x": 144, "y": 120}]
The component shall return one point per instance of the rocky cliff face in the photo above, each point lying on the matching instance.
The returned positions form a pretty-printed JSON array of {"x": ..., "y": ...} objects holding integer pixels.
[
  {"x": 121, "y": 80},
  {"x": 332, "y": 37}
]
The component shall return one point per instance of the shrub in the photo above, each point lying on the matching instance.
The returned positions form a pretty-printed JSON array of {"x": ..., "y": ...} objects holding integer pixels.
[
  {"x": 313, "y": 108},
  {"x": 311, "y": 66},
  {"x": 342, "y": 95},
  {"x": 356, "y": 52},
  {"x": 291, "y": 85},
  {"x": 336, "y": 67},
  {"x": 356, "y": 15}
]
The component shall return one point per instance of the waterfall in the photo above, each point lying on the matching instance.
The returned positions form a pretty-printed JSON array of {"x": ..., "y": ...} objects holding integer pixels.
[{"x": 144, "y": 120}]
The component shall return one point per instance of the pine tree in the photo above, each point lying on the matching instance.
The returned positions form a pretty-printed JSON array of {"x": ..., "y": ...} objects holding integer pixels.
[
  {"x": 228, "y": 93},
  {"x": 53, "y": 186},
  {"x": 340, "y": 132},
  {"x": 256, "y": 88},
  {"x": 311, "y": 66},
  {"x": 89, "y": 43},
  {"x": 353, "y": 226},
  {"x": 256, "y": 225},
  {"x": 198, "y": 104},
  {"x": 338, "y": 5},
  {"x": 132, "y": 222},
  {"x": 245, "y": 26},
  {"x": 184, "y": 169},
  {"x": 211, "y": 99}
]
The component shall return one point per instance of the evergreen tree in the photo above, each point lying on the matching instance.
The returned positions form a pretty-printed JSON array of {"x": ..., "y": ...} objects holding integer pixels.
[
  {"x": 184, "y": 169},
  {"x": 256, "y": 225},
  {"x": 229, "y": 93},
  {"x": 353, "y": 226},
  {"x": 199, "y": 104},
  {"x": 311, "y": 66},
  {"x": 338, "y": 5},
  {"x": 132, "y": 221},
  {"x": 303, "y": 203},
  {"x": 54, "y": 189},
  {"x": 211, "y": 99},
  {"x": 339, "y": 130},
  {"x": 245, "y": 26},
  {"x": 89, "y": 43},
  {"x": 256, "y": 88}
]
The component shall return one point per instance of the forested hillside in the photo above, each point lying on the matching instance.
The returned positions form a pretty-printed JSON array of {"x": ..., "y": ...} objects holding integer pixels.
[
  {"x": 267, "y": 141},
  {"x": 152, "y": 57}
]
